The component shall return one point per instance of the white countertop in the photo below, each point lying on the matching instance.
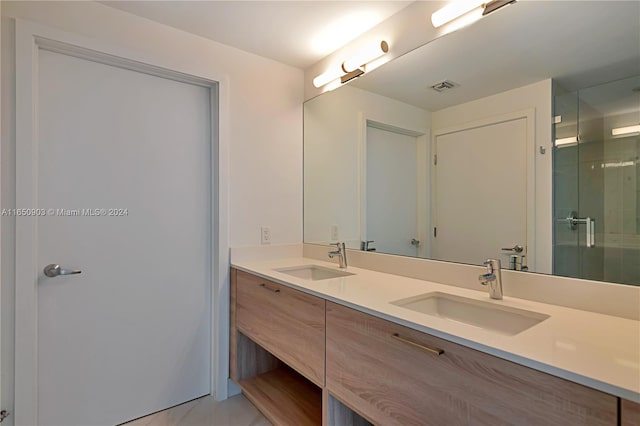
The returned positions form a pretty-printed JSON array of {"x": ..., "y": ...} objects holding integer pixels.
[{"x": 595, "y": 350}]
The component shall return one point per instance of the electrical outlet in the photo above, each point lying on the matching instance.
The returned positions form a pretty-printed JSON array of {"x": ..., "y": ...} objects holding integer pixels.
[
  {"x": 334, "y": 233},
  {"x": 265, "y": 235}
]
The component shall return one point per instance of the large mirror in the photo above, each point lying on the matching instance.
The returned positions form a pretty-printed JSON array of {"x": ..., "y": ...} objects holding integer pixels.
[{"x": 532, "y": 156}]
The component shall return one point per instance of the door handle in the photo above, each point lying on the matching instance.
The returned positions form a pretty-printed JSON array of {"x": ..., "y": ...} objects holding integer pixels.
[
  {"x": 433, "y": 350},
  {"x": 590, "y": 227},
  {"x": 517, "y": 248},
  {"x": 273, "y": 289},
  {"x": 591, "y": 232},
  {"x": 53, "y": 270}
]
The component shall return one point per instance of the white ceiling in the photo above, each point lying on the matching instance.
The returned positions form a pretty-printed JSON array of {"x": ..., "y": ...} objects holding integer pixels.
[
  {"x": 577, "y": 43},
  {"x": 298, "y": 33}
]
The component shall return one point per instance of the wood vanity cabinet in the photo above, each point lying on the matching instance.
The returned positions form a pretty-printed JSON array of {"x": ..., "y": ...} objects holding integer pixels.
[
  {"x": 393, "y": 375},
  {"x": 629, "y": 413},
  {"x": 277, "y": 351},
  {"x": 305, "y": 361},
  {"x": 286, "y": 322}
]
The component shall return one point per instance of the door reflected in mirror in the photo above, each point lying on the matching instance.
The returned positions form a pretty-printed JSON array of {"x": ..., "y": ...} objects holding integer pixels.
[{"x": 392, "y": 162}]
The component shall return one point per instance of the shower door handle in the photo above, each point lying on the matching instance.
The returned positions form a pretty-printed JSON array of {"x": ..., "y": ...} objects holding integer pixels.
[
  {"x": 591, "y": 232},
  {"x": 590, "y": 225}
]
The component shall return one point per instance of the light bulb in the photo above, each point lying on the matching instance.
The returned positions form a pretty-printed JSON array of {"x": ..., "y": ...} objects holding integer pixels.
[
  {"x": 327, "y": 77},
  {"x": 625, "y": 130},
  {"x": 365, "y": 56},
  {"x": 454, "y": 10}
]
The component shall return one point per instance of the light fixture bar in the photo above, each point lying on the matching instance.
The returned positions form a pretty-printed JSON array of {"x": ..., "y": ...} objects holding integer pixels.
[
  {"x": 351, "y": 75},
  {"x": 327, "y": 77},
  {"x": 625, "y": 130},
  {"x": 618, "y": 164},
  {"x": 458, "y": 8},
  {"x": 365, "y": 56},
  {"x": 567, "y": 141},
  {"x": 352, "y": 67},
  {"x": 494, "y": 5},
  {"x": 453, "y": 11}
]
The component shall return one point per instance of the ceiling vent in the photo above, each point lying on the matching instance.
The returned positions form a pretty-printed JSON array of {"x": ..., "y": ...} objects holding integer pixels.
[{"x": 444, "y": 85}]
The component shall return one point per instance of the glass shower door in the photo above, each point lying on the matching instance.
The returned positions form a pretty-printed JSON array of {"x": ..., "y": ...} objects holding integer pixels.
[
  {"x": 566, "y": 259},
  {"x": 597, "y": 182}
]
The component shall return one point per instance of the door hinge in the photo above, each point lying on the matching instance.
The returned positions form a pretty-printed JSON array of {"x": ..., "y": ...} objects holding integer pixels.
[
  {"x": 3, "y": 415},
  {"x": 435, "y": 159},
  {"x": 435, "y": 232}
]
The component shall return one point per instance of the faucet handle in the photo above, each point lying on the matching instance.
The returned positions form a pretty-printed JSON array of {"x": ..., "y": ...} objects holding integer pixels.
[
  {"x": 485, "y": 279},
  {"x": 492, "y": 265},
  {"x": 339, "y": 245}
]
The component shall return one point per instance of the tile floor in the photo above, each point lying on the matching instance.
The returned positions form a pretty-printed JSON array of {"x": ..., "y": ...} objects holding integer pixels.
[{"x": 205, "y": 411}]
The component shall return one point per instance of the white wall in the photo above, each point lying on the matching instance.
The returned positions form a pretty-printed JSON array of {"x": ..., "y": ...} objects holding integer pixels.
[
  {"x": 536, "y": 96},
  {"x": 261, "y": 114},
  {"x": 264, "y": 109},
  {"x": 332, "y": 135}
]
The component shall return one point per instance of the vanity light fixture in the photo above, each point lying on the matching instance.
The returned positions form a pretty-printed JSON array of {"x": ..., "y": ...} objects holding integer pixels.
[
  {"x": 494, "y": 5},
  {"x": 454, "y": 10},
  {"x": 352, "y": 67},
  {"x": 327, "y": 77},
  {"x": 458, "y": 8},
  {"x": 617, "y": 164},
  {"x": 567, "y": 141},
  {"x": 365, "y": 56},
  {"x": 621, "y": 131},
  {"x": 351, "y": 75}
]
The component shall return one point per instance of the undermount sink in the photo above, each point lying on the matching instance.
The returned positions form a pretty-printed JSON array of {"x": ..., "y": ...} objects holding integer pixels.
[
  {"x": 313, "y": 272},
  {"x": 488, "y": 316}
]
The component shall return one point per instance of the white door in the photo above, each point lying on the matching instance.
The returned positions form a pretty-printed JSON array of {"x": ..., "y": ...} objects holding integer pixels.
[
  {"x": 391, "y": 192},
  {"x": 130, "y": 335},
  {"x": 481, "y": 199}
]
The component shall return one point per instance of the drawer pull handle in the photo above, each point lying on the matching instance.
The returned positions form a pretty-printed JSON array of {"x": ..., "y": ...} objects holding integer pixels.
[
  {"x": 436, "y": 351},
  {"x": 275, "y": 290}
]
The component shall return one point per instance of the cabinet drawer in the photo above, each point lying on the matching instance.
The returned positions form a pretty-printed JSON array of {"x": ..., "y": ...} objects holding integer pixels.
[
  {"x": 286, "y": 322},
  {"x": 630, "y": 413},
  {"x": 384, "y": 371}
]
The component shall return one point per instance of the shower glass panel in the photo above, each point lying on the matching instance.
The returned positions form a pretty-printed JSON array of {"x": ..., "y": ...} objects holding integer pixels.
[
  {"x": 566, "y": 260},
  {"x": 596, "y": 172}
]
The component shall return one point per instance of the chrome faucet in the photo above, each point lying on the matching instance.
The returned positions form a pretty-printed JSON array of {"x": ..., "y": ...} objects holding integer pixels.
[
  {"x": 341, "y": 253},
  {"x": 493, "y": 278}
]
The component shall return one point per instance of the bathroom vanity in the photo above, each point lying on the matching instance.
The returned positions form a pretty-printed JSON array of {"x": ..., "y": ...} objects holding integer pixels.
[
  {"x": 309, "y": 348},
  {"x": 532, "y": 168}
]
